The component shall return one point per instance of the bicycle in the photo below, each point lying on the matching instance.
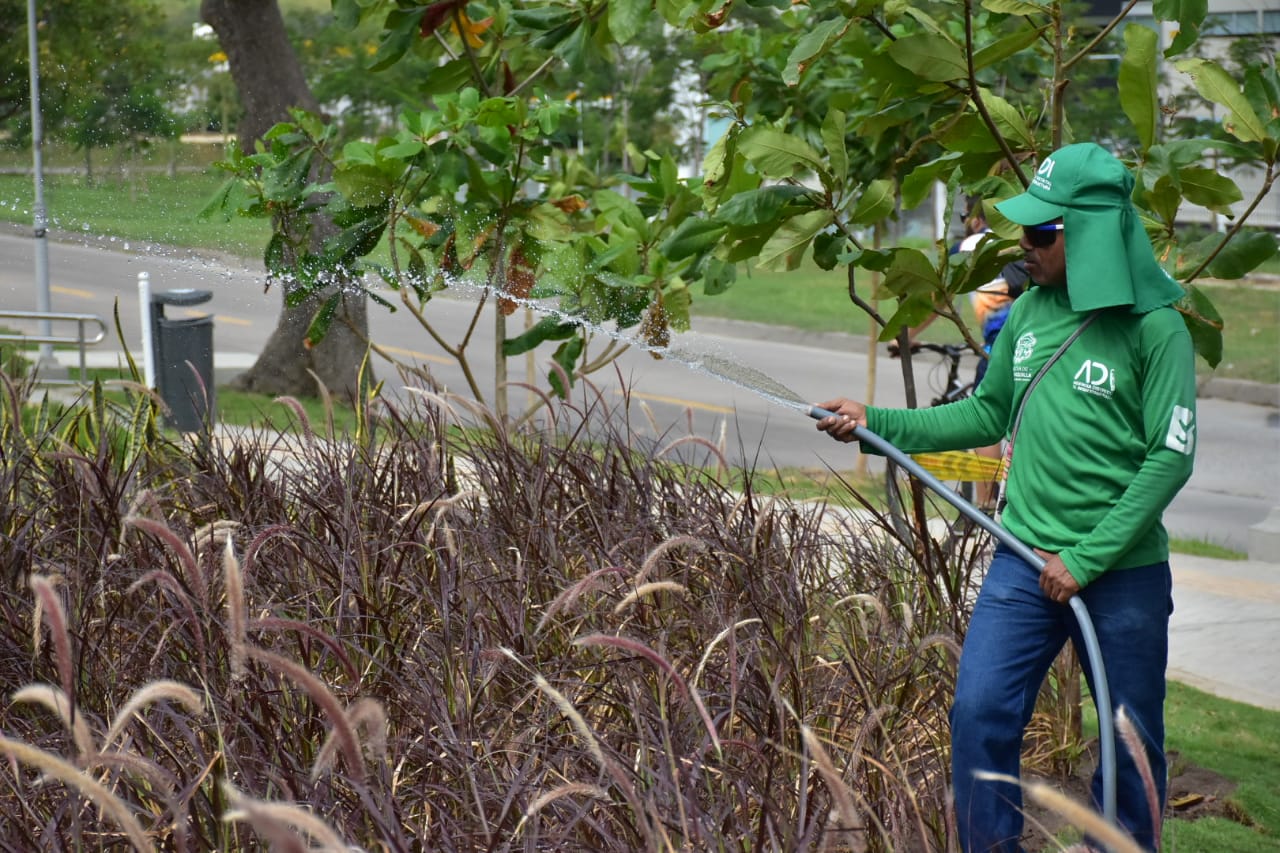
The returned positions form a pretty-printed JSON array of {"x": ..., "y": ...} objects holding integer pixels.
[{"x": 960, "y": 470}]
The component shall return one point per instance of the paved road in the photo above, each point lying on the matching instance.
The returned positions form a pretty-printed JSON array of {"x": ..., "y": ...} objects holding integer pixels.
[{"x": 1235, "y": 485}]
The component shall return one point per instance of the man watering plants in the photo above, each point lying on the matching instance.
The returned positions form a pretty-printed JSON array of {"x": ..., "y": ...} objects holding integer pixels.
[{"x": 1101, "y": 442}]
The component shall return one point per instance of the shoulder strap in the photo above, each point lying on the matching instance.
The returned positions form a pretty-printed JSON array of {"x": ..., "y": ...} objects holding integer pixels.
[{"x": 1022, "y": 406}]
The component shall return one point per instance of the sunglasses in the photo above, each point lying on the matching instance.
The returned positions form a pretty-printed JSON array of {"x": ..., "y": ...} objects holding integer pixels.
[{"x": 1042, "y": 236}]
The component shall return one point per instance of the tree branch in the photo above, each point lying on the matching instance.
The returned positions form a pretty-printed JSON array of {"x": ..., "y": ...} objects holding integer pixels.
[
  {"x": 1106, "y": 31},
  {"x": 1267, "y": 182},
  {"x": 976, "y": 95}
]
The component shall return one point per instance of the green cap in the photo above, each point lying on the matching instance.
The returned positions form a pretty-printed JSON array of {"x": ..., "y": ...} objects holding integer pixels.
[{"x": 1109, "y": 258}]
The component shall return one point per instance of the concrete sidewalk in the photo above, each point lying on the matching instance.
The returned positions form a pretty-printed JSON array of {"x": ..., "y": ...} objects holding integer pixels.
[{"x": 1224, "y": 636}]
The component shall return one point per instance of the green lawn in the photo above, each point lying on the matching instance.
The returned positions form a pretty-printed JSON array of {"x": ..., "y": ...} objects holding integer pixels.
[
  {"x": 814, "y": 299},
  {"x": 151, "y": 207},
  {"x": 1236, "y": 741},
  {"x": 1240, "y": 742}
]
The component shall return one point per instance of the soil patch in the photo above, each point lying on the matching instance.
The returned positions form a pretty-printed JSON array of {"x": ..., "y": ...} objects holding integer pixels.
[{"x": 1194, "y": 793}]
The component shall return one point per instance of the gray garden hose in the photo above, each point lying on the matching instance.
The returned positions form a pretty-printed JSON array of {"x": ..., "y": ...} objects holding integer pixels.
[{"x": 1101, "y": 690}]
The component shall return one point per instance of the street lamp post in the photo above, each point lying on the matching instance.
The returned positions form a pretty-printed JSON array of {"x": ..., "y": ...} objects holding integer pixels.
[{"x": 43, "y": 303}]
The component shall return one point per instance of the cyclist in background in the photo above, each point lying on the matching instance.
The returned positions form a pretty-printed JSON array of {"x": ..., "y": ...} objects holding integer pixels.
[{"x": 991, "y": 303}]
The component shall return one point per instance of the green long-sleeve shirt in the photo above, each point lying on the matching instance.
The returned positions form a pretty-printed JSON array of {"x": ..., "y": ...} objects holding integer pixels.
[{"x": 1107, "y": 438}]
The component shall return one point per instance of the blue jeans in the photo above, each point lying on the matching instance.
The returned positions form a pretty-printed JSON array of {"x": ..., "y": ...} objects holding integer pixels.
[{"x": 1013, "y": 638}]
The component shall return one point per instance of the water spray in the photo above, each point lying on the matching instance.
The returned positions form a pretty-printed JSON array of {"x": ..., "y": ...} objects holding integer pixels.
[{"x": 1101, "y": 690}]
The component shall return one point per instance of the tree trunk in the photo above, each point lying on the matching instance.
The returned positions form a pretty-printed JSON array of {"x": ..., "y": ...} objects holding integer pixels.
[{"x": 270, "y": 81}]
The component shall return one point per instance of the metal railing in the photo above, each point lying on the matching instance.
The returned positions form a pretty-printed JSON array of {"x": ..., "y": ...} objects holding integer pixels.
[{"x": 80, "y": 339}]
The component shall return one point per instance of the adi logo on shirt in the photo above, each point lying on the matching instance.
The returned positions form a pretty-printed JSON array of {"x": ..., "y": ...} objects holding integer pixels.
[{"x": 1095, "y": 378}]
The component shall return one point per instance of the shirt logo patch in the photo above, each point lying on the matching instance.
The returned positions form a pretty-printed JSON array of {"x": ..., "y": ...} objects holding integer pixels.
[
  {"x": 1023, "y": 349},
  {"x": 1095, "y": 378},
  {"x": 1182, "y": 431}
]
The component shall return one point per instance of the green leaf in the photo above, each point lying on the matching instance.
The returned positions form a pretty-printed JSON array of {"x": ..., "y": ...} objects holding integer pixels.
[
  {"x": 546, "y": 329},
  {"x": 548, "y": 223},
  {"x": 274, "y": 256},
  {"x": 626, "y": 18},
  {"x": 286, "y": 180},
  {"x": 811, "y": 46},
  {"x": 1010, "y": 45},
  {"x": 912, "y": 311},
  {"x": 778, "y": 154},
  {"x": 676, "y": 301},
  {"x": 918, "y": 185},
  {"x": 717, "y": 163},
  {"x": 141, "y": 428},
  {"x": 1009, "y": 121},
  {"x": 756, "y": 207},
  {"x": 566, "y": 355},
  {"x": 1204, "y": 323},
  {"x": 1165, "y": 198},
  {"x": 573, "y": 49},
  {"x": 911, "y": 273},
  {"x": 446, "y": 78},
  {"x": 833, "y": 134},
  {"x": 1207, "y": 188},
  {"x": 745, "y": 244},
  {"x": 931, "y": 56},
  {"x": 322, "y": 320},
  {"x": 619, "y": 209},
  {"x": 1014, "y": 7},
  {"x": 1246, "y": 251},
  {"x": 968, "y": 134},
  {"x": 346, "y": 13},
  {"x": 220, "y": 200},
  {"x": 1189, "y": 15},
  {"x": 542, "y": 18},
  {"x": 826, "y": 250},
  {"x": 875, "y": 204},
  {"x": 1138, "y": 84},
  {"x": 358, "y": 240},
  {"x": 786, "y": 247},
  {"x": 1215, "y": 84},
  {"x": 364, "y": 186},
  {"x": 719, "y": 276},
  {"x": 692, "y": 237},
  {"x": 553, "y": 38},
  {"x": 401, "y": 29}
]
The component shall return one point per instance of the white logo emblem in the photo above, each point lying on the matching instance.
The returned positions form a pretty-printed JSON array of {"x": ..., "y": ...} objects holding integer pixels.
[
  {"x": 1095, "y": 378},
  {"x": 1023, "y": 349},
  {"x": 1182, "y": 431},
  {"x": 1044, "y": 175}
]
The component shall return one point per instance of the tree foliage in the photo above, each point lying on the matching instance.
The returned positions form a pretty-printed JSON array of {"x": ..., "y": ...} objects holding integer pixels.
[
  {"x": 842, "y": 114},
  {"x": 102, "y": 69}
]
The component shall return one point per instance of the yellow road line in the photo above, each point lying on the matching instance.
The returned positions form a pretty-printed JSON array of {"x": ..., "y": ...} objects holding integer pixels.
[
  {"x": 218, "y": 318},
  {"x": 677, "y": 401},
  {"x": 420, "y": 356},
  {"x": 70, "y": 291}
]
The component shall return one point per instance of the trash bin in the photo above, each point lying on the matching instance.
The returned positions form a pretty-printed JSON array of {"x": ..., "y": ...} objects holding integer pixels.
[{"x": 183, "y": 350}]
